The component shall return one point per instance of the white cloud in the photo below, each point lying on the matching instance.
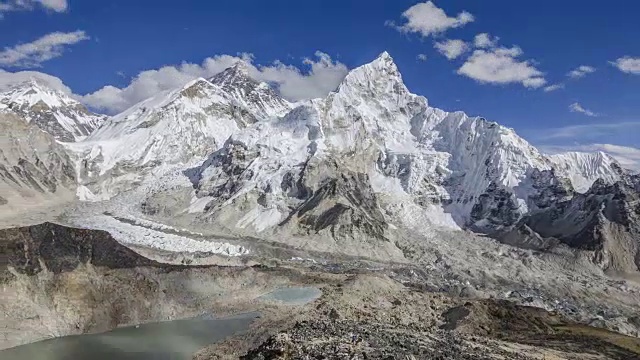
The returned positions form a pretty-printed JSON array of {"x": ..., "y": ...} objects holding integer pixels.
[
  {"x": 323, "y": 76},
  {"x": 581, "y": 71},
  {"x": 485, "y": 40},
  {"x": 428, "y": 19},
  {"x": 422, "y": 57},
  {"x": 576, "y": 107},
  {"x": 33, "y": 54},
  {"x": 553, "y": 87},
  {"x": 501, "y": 66},
  {"x": 55, "y": 5},
  {"x": 28, "y": 5},
  {"x": 628, "y": 65},
  {"x": 628, "y": 157},
  {"x": 451, "y": 48},
  {"x": 150, "y": 82}
]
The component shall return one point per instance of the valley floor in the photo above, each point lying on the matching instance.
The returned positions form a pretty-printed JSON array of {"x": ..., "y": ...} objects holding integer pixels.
[{"x": 447, "y": 302}]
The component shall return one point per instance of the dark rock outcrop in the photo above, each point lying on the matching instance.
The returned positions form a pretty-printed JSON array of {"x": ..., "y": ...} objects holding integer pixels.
[
  {"x": 343, "y": 206},
  {"x": 30, "y": 250}
]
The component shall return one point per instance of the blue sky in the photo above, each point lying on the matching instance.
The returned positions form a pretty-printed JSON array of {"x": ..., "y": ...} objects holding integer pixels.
[{"x": 100, "y": 43}]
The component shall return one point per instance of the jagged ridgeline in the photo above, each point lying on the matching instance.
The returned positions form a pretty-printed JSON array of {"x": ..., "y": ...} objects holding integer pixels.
[{"x": 367, "y": 164}]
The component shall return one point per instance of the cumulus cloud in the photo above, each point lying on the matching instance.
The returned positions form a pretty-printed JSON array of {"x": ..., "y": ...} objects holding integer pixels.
[
  {"x": 451, "y": 48},
  {"x": 427, "y": 19},
  {"x": 628, "y": 65},
  {"x": 553, "y": 87},
  {"x": 33, "y": 54},
  {"x": 28, "y": 5},
  {"x": 576, "y": 107},
  {"x": 322, "y": 76},
  {"x": 485, "y": 40},
  {"x": 628, "y": 157},
  {"x": 581, "y": 71},
  {"x": 422, "y": 57},
  {"x": 502, "y": 66}
]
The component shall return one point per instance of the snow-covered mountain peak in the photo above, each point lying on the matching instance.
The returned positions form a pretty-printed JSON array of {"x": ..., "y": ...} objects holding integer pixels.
[
  {"x": 50, "y": 110},
  {"x": 177, "y": 126},
  {"x": 257, "y": 97},
  {"x": 584, "y": 168},
  {"x": 237, "y": 73},
  {"x": 380, "y": 75},
  {"x": 32, "y": 92}
]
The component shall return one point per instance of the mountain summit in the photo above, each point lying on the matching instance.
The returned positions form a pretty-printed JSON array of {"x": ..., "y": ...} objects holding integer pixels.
[
  {"x": 52, "y": 111},
  {"x": 258, "y": 97}
]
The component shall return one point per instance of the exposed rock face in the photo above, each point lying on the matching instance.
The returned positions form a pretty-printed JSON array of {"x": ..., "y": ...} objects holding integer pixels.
[
  {"x": 605, "y": 221},
  {"x": 342, "y": 206},
  {"x": 32, "y": 164},
  {"x": 59, "y": 249},
  {"x": 52, "y": 111}
]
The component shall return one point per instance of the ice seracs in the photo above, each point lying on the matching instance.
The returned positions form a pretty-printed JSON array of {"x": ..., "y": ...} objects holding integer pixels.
[{"x": 52, "y": 111}]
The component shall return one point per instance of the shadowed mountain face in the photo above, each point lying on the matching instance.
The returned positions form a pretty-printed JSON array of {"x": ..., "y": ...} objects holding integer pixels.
[{"x": 605, "y": 220}]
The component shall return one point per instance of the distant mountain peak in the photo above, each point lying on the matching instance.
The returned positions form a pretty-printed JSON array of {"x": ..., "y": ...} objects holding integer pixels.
[
  {"x": 259, "y": 97},
  {"x": 236, "y": 74},
  {"x": 49, "y": 109},
  {"x": 241, "y": 67}
]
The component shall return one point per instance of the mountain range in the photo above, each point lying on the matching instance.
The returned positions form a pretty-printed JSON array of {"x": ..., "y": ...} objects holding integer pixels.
[{"x": 351, "y": 172}]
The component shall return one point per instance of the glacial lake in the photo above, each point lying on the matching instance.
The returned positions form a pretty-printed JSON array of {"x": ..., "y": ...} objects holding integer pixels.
[{"x": 170, "y": 340}]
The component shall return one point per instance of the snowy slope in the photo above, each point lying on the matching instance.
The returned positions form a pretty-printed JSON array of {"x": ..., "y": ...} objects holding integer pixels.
[
  {"x": 52, "y": 111},
  {"x": 585, "y": 168},
  {"x": 173, "y": 127}
]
